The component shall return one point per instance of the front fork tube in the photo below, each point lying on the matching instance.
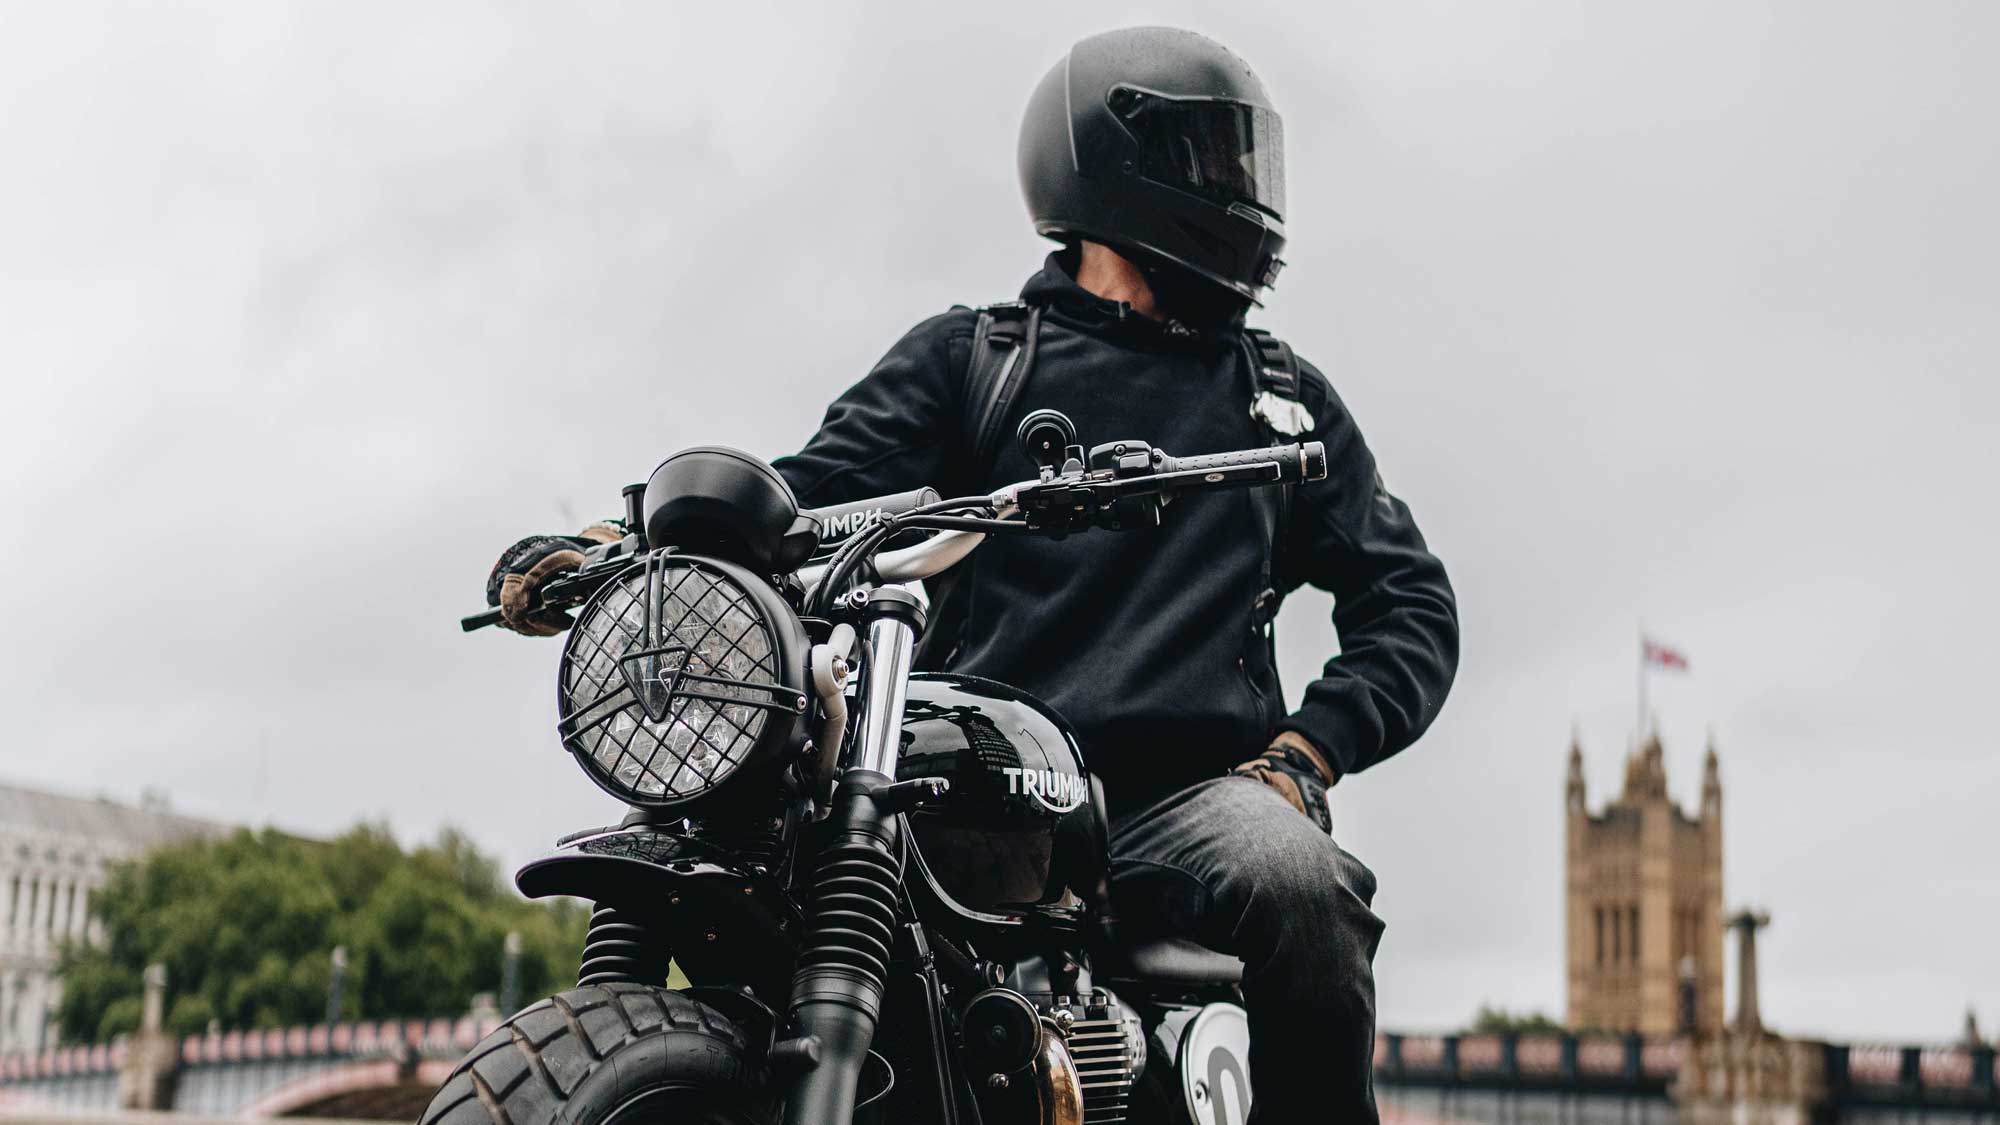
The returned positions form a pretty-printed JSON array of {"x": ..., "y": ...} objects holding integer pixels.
[{"x": 837, "y": 989}]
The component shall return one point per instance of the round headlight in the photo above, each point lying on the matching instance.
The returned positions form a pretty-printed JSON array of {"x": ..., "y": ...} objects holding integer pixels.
[{"x": 677, "y": 675}]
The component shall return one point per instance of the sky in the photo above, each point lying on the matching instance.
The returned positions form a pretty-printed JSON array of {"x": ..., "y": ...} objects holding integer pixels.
[{"x": 1663, "y": 317}]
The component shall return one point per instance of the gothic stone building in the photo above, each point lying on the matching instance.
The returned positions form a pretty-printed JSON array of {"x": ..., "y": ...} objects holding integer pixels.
[
  {"x": 1644, "y": 926},
  {"x": 53, "y": 854}
]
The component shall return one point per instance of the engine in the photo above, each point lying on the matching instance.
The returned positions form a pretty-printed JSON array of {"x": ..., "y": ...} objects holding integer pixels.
[
  {"x": 1108, "y": 1046},
  {"x": 1057, "y": 1060}
]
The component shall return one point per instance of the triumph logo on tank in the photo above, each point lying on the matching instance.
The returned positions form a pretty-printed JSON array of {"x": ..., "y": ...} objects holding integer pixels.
[{"x": 1056, "y": 790}]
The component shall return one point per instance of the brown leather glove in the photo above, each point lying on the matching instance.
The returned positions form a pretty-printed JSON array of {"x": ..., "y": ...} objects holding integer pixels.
[
  {"x": 1299, "y": 772},
  {"x": 527, "y": 565}
]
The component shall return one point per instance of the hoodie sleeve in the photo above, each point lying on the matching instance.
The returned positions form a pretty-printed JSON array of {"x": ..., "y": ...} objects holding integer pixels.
[
  {"x": 1393, "y": 607},
  {"x": 896, "y": 429}
]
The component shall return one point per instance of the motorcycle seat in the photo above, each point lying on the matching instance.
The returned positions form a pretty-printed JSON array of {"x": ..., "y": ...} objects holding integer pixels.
[{"x": 1168, "y": 959}]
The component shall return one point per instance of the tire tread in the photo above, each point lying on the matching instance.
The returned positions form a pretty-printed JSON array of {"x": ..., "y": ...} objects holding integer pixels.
[
  {"x": 495, "y": 1109},
  {"x": 526, "y": 1071}
]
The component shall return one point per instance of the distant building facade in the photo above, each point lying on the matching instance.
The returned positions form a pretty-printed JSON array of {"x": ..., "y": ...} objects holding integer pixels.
[
  {"x": 1644, "y": 923},
  {"x": 54, "y": 852}
]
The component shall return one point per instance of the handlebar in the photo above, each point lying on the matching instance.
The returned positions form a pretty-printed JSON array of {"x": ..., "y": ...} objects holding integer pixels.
[
  {"x": 840, "y": 522},
  {"x": 564, "y": 590},
  {"x": 558, "y": 593},
  {"x": 1296, "y": 463},
  {"x": 1128, "y": 481},
  {"x": 1122, "y": 475},
  {"x": 473, "y": 622}
]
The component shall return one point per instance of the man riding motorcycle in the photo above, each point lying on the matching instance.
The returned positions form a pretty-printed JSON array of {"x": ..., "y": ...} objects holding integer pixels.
[{"x": 1153, "y": 156}]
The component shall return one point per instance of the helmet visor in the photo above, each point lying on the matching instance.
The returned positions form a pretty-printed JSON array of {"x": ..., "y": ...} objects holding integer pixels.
[{"x": 1227, "y": 151}]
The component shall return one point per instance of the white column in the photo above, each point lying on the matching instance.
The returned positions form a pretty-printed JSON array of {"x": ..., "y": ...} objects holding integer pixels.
[
  {"x": 38, "y": 1014},
  {"x": 58, "y": 907},
  {"x": 52, "y": 884},
  {"x": 29, "y": 928},
  {"x": 6, "y": 1008},
  {"x": 45, "y": 923},
  {"x": 7, "y": 875}
]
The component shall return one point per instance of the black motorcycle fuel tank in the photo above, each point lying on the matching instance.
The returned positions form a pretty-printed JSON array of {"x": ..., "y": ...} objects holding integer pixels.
[{"x": 1019, "y": 840}]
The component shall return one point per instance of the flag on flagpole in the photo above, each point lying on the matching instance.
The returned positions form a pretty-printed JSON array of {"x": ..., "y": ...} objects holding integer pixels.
[{"x": 1660, "y": 656}]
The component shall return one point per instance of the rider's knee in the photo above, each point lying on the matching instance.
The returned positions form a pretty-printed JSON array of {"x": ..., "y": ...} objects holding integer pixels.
[{"x": 1296, "y": 876}]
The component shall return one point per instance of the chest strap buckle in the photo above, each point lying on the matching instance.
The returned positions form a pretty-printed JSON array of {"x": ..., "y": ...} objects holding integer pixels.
[{"x": 1285, "y": 416}]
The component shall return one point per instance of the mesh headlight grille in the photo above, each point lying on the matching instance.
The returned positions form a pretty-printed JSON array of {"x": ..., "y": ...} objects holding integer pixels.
[{"x": 673, "y": 678}]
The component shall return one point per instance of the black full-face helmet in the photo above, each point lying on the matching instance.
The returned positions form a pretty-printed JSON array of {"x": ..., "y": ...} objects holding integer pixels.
[{"x": 1159, "y": 143}]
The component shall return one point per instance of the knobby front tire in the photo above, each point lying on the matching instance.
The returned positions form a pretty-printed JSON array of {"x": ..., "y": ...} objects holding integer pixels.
[{"x": 612, "y": 1054}]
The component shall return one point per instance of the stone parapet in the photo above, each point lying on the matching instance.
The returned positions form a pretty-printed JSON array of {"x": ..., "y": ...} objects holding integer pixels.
[{"x": 1752, "y": 1078}]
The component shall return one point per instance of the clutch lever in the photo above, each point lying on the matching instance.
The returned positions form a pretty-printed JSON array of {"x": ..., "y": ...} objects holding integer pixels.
[{"x": 562, "y": 592}]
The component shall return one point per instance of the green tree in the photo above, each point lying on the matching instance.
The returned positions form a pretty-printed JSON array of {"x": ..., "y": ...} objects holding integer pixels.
[
  {"x": 1493, "y": 1020},
  {"x": 246, "y": 926}
]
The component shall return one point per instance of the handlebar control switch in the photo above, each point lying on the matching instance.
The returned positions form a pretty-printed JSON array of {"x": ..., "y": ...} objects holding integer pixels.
[
  {"x": 1125, "y": 458},
  {"x": 1048, "y": 438}
]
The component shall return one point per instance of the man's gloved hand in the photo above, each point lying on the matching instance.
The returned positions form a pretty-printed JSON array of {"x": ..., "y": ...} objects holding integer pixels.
[
  {"x": 527, "y": 565},
  {"x": 1299, "y": 772}
]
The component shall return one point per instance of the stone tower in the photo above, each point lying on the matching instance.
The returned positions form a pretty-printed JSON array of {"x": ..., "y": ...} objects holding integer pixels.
[{"x": 1644, "y": 888}]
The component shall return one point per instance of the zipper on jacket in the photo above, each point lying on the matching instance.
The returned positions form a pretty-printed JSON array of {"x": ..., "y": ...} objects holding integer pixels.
[{"x": 1250, "y": 682}]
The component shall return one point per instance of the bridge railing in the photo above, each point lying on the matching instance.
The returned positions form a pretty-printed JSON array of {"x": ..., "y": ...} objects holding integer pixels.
[
  {"x": 223, "y": 1072},
  {"x": 1898, "y": 1074},
  {"x": 361, "y": 1039},
  {"x": 1856, "y": 1074},
  {"x": 1621, "y": 1062}
]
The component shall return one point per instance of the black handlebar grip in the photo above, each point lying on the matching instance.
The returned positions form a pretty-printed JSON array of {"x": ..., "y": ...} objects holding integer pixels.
[
  {"x": 560, "y": 591},
  {"x": 1296, "y": 463},
  {"x": 492, "y": 616},
  {"x": 838, "y": 521},
  {"x": 475, "y": 621},
  {"x": 1312, "y": 460}
]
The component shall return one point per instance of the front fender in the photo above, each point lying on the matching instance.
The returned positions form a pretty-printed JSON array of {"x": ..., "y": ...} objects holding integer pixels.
[{"x": 715, "y": 911}]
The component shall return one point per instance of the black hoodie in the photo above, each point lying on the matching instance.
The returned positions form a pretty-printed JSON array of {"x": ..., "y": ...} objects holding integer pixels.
[{"x": 1144, "y": 640}]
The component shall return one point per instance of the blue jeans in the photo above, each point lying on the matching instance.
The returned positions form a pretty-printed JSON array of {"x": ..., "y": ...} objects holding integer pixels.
[{"x": 1230, "y": 864}]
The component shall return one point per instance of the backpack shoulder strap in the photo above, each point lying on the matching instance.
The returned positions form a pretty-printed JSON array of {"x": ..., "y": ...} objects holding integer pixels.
[
  {"x": 1278, "y": 366},
  {"x": 1274, "y": 396},
  {"x": 1003, "y": 355},
  {"x": 1274, "y": 403}
]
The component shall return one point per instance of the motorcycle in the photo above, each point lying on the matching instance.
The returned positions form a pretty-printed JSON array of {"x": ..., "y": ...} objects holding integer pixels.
[{"x": 884, "y": 888}]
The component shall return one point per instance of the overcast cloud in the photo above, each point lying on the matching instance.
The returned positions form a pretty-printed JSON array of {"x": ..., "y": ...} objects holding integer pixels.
[{"x": 1677, "y": 314}]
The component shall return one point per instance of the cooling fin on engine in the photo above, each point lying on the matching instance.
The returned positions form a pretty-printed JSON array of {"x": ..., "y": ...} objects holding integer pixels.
[{"x": 1107, "y": 1046}]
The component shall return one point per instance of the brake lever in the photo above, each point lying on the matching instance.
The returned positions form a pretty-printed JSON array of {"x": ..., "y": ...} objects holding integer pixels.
[
  {"x": 1256, "y": 472},
  {"x": 1074, "y": 501}
]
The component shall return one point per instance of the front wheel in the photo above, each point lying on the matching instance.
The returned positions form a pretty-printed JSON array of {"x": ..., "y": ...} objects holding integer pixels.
[{"x": 611, "y": 1054}]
